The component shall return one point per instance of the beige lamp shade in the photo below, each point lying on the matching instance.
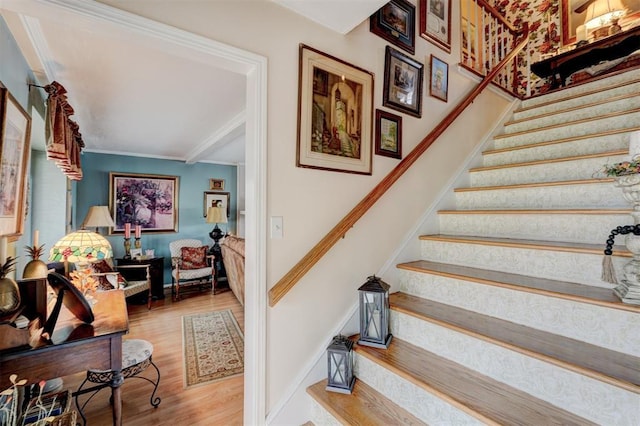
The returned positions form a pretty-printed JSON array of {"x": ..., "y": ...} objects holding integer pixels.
[
  {"x": 81, "y": 246},
  {"x": 217, "y": 215},
  {"x": 602, "y": 12},
  {"x": 98, "y": 216}
]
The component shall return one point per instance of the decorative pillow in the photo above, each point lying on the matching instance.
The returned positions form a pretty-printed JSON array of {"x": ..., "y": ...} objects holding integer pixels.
[
  {"x": 194, "y": 257},
  {"x": 99, "y": 268}
]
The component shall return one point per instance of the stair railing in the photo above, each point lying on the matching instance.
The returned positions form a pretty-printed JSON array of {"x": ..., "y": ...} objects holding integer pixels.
[
  {"x": 486, "y": 38},
  {"x": 291, "y": 278}
]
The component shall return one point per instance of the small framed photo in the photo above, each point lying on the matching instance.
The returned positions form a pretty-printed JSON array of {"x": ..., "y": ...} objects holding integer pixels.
[
  {"x": 402, "y": 83},
  {"x": 136, "y": 253},
  {"x": 439, "y": 81},
  {"x": 216, "y": 184},
  {"x": 435, "y": 22},
  {"x": 216, "y": 199},
  {"x": 396, "y": 23},
  {"x": 388, "y": 134}
]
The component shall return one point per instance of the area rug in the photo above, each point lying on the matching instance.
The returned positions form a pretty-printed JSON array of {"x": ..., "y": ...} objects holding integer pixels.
[{"x": 213, "y": 347}]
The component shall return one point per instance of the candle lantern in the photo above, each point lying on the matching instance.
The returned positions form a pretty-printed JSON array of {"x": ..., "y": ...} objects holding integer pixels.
[
  {"x": 374, "y": 313},
  {"x": 340, "y": 365}
]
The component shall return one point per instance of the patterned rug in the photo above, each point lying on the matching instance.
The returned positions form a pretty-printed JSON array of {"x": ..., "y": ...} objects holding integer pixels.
[{"x": 213, "y": 347}]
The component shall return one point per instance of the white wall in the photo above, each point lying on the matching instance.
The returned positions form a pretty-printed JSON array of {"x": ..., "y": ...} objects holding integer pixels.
[{"x": 312, "y": 201}]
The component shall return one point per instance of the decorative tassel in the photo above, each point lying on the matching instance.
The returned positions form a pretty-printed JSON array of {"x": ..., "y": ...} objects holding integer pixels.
[{"x": 608, "y": 271}]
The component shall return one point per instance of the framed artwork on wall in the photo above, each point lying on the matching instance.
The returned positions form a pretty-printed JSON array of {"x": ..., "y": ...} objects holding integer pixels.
[
  {"x": 150, "y": 201},
  {"x": 15, "y": 128},
  {"x": 216, "y": 199},
  {"x": 388, "y": 134},
  {"x": 435, "y": 22},
  {"x": 216, "y": 184},
  {"x": 402, "y": 83},
  {"x": 439, "y": 80},
  {"x": 335, "y": 114},
  {"x": 396, "y": 23}
]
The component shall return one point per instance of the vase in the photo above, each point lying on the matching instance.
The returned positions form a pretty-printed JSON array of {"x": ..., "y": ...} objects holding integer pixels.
[{"x": 629, "y": 289}]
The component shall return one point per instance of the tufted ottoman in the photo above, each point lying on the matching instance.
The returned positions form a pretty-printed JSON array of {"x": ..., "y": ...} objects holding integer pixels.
[{"x": 136, "y": 357}]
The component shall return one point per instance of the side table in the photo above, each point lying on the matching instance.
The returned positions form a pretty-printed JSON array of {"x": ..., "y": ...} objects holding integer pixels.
[{"x": 156, "y": 270}]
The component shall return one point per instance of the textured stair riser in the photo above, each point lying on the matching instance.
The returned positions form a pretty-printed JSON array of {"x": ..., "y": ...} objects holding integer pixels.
[
  {"x": 585, "y": 146},
  {"x": 589, "y": 398},
  {"x": 548, "y": 197},
  {"x": 544, "y": 172},
  {"x": 610, "y": 328},
  {"x": 320, "y": 416},
  {"x": 554, "y": 265},
  {"x": 623, "y": 121},
  {"x": 618, "y": 105},
  {"x": 582, "y": 88},
  {"x": 585, "y": 228},
  {"x": 422, "y": 404},
  {"x": 577, "y": 101}
]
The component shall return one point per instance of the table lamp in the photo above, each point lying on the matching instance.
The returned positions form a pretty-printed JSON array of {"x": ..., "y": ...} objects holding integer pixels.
[
  {"x": 80, "y": 247},
  {"x": 97, "y": 217},
  {"x": 216, "y": 215},
  {"x": 601, "y": 14}
]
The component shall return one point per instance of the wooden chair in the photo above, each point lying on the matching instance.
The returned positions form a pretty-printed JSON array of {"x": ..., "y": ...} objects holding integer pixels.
[{"x": 190, "y": 271}]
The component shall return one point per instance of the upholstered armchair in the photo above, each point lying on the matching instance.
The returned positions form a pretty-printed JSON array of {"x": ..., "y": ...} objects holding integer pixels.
[
  {"x": 190, "y": 265},
  {"x": 110, "y": 277}
]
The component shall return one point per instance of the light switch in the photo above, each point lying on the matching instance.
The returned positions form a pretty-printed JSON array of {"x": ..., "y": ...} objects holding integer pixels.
[{"x": 276, "y": 227}]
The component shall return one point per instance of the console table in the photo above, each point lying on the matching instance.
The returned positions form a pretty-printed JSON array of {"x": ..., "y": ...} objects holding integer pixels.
[
  {"x": 156, "y": 272},
  {"x": 561, "y": 66},
  {"x": 76, "y": 347}
]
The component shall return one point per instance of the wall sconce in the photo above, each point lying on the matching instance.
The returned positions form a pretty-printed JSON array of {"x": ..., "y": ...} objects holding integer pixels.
[
  {"x": 374, "y": 313},
  {"x": 340, "y": 365}
]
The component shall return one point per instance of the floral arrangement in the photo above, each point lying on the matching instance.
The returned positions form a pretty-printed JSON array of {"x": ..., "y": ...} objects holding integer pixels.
[
  {"x": 84, "y": 281},
  {"x": 622, "y": 169}
]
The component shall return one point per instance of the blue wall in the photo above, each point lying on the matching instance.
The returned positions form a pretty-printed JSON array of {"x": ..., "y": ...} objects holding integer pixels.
[{"x": 93, "y": 190}]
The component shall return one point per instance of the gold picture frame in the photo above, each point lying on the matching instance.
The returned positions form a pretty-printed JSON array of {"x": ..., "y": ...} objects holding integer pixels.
[{"x": 216, "y": 184}]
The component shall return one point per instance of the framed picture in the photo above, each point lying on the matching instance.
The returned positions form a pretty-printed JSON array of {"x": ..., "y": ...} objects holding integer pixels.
[
  {"x": 402, "y": 83},
  {"x": 439, "y": 80},
  {"x": 396, "y": 23},
  {"x": 216, "y": 184},
  {"x": 15, "y": 128},
  {"x": 435, "y": 22},
  {"x": 150, "y": 201},
  {"x": 335, "y": 114},
  {"x": 135, "y": 253},
  {"x": 388, "y": 134},
  {"x": 216, "y": 199}
]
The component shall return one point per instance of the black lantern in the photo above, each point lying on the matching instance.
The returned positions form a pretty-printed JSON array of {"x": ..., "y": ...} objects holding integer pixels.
[
  {"x": 340, "y": 365},
  {"x": 374, "y": 313}
]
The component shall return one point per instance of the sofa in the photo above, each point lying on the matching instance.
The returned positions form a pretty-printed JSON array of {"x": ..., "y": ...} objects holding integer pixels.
[{"x": 233, "y": 258}]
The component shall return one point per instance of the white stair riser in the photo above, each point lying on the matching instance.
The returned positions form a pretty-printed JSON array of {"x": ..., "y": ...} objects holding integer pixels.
[
  {"x": 422, "y": 404},
  {"x": 544, "y": 172},
  {"x": 624, "y": 121},
  {"x": 320, "y": 416},
  {"x": 555, "y": 265},
  {"x": 559, "y": 150},
  {"x": 577, "y": 101},
  {"x": 586, "y": 397},
  {"x": 585, "y": 228},
  {"x": 582, "y": 88},
  {"x": 610, "y": 328},
  {"x": 555, "y": 196}
]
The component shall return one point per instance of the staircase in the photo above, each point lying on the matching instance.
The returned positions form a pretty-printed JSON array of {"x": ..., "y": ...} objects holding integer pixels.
[{"x": 505, "y": 319}]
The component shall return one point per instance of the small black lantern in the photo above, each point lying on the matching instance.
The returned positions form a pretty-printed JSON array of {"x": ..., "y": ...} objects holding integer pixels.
[
  {"x": 374, "y": 313},
  {"x": 340, "y": 365}
]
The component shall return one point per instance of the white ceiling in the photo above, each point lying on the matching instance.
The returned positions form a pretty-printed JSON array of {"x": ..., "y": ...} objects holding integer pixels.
[{"x": 135, "y": 95}]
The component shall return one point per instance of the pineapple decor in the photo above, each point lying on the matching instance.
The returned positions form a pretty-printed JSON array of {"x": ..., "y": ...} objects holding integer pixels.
[
  {"x": 9, "y": 290},
  {"x": 35, "y": 268}
]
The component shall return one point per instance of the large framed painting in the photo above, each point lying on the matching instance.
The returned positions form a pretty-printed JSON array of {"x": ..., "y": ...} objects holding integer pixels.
[
  {"x": 15, "y": 128},
  {"x": 396, "y": 23},
  {"x": 216, "y": 199},
  {"x": 335, "y": 114},
  {"x": 435, "y": 22},
  {"x": 150, "y": 201},
  {"x": 402, "y": 83}
]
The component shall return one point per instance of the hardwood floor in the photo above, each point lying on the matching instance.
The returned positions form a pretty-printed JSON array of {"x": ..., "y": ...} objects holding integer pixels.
[{"x": 218, "y": 403}]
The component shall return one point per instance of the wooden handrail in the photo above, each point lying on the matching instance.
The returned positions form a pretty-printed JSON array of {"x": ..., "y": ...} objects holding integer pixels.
[{"x": 303, "y": 266}]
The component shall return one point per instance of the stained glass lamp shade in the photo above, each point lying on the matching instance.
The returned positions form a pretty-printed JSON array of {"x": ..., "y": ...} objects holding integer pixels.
[{"x": 81, "y": 246}]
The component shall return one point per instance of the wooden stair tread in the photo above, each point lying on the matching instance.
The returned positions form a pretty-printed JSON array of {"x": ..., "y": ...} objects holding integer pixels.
[
  {"x": 620, "y": 369},
  {"x": 550, "y": 161},
  {"x": 568, "y": 123},
  {"x": 540, "y": 211},
  {"x": 529, "y": 244},
  {"x": 479, "y": 396},
  {"x": 536, "y": 185},
  {"x": 561, "y": 289},
  {"x": 365, "y": 406}
]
